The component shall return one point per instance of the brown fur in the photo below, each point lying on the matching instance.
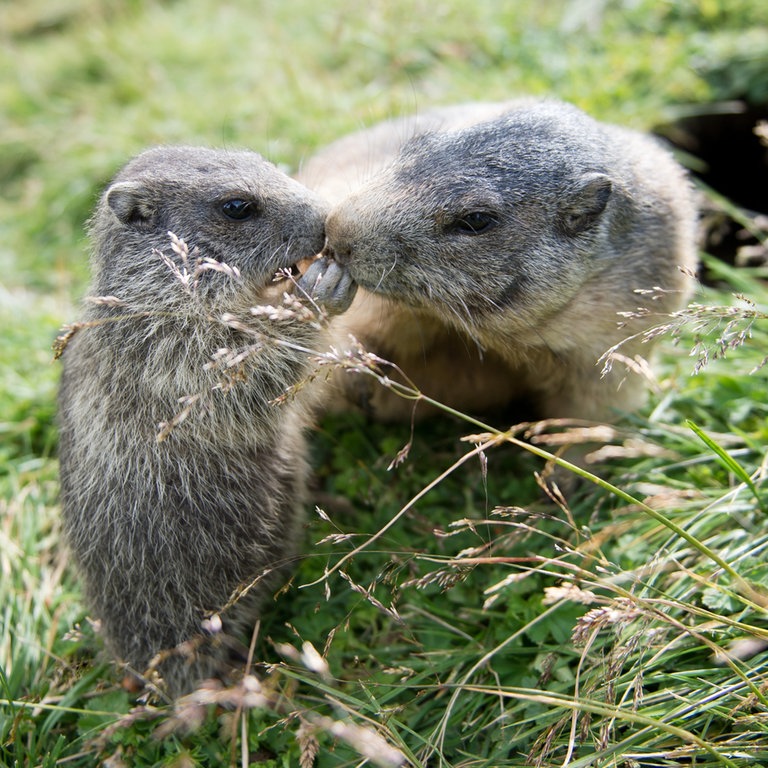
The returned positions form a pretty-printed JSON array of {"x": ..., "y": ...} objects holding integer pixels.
[{"x": 581, "y": 214}]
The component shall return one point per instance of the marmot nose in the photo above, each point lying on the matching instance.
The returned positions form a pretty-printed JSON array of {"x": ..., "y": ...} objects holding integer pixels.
[
  {"x": 339, "y": 237},
  {"x": 340, "y": 252}
]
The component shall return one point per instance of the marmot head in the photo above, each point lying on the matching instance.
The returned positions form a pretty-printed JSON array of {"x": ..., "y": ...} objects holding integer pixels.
[
  {"x": 229, "y": 207},
  {"x": 504, "y": 215}
]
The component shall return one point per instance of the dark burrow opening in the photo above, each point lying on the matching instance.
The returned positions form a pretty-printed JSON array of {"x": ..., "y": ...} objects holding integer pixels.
[{"x": 725, "y": 145}]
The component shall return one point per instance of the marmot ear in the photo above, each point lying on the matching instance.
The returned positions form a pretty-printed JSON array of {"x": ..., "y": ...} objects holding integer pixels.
[
  {"x": 131, "y": 204},
  {"x": 582, "y": 207}
]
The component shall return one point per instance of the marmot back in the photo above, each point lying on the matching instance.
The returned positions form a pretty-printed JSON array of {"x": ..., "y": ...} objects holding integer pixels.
[
  {"x": 165, "y": 530},
  {"x": 497, "y": 251}
]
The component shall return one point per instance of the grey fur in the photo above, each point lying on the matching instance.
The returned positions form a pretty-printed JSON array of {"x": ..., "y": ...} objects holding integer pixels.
[
  {"x": 579, "y": 215},
  {"x": 164, "y": 532}
]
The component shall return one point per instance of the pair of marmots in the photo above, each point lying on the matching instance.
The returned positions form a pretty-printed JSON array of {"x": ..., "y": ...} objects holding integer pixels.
[{"x": 493, "y": 246}]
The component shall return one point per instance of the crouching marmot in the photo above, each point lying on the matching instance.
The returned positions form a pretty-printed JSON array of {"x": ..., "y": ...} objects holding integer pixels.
[
  {"x": 181, "y": 481},
  {"x": 496, "y": 245}
]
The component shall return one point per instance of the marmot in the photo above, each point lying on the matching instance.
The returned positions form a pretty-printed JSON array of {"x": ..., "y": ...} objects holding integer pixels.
[
  {"x": 165, "y": 530},
  {"x": 496, "y": 245}
]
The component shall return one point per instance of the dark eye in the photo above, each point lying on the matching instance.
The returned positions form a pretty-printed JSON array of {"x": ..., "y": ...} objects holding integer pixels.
[
  {"x": 473, "y": 223},
  {"x": 237, "y": 209}
]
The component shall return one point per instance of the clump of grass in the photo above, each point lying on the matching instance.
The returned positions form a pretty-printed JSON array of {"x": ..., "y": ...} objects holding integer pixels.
[
  {"x": 716, "y": 330},
  {"x": 668, "y": 588},
  {"x": 480, "y": 624},
  {"x": 616, "y": 637}
]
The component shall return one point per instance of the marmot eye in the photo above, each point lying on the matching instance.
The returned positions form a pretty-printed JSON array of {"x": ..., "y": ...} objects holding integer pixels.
[
  {"x": 473, "y": 223},
  {"x": 237, "y": 209}
]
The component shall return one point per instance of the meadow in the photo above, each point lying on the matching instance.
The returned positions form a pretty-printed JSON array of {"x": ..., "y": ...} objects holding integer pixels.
[{"x": 447, "y": 612}]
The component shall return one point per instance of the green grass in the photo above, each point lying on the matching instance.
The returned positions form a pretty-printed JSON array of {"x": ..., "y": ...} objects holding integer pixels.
[{"x": 487, "y": 626}]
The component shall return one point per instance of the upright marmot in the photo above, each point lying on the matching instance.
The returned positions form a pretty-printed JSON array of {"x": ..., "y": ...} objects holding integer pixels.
[
  {"x": 497, "y": 244},
  {"x": 165, "y": 530}
]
